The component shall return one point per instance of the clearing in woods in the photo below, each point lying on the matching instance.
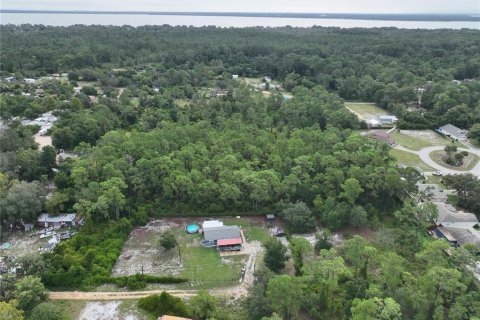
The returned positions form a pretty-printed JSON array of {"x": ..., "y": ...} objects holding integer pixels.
[
  {"x": 204, "y": 267},
  {"x": 366, "y": 110}
]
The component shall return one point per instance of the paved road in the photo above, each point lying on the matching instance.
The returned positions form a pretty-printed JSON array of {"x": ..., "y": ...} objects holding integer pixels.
[{"x": 424, "y": 155}]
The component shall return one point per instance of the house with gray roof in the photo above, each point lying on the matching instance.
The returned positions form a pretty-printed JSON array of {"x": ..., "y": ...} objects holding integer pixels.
[
  {"x": 448, "y": 216},
  {"x": 459, "y": 236},
  {"x": 214, "y": 234},
  {"x": 46, "y": 220},
  {"x": 433, "y": 192},
  {"x": 453, "y": 132}
]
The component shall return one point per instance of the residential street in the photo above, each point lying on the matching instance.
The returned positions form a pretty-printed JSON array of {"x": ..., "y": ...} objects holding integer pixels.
[{"x": 424, "y": 155}]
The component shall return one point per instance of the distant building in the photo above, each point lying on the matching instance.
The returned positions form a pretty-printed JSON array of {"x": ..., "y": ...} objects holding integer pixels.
[
  {"x": 29, "y": 80},
  {"x": 381, "y": 136},
  {"x": 39, "y": 93},
  {"x": 10, "y": 79},
  {"x": 46, "y": 220},
  {"x": 270, "y": 217},
  {"x": 216, "y": 93},
  {"x": 172, "y": 318},
  {"x": 388, "y": 119},
  {"x": 234, "y": 76},
  {"x": 453, "y": 132},
  {"x": 374, "y": 123},
  {"x": 267, "y": 78},
  {"x": 433, "y": 191}
]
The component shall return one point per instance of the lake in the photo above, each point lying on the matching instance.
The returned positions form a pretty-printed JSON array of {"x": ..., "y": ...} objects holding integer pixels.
[{"x": 62, "y": 19}]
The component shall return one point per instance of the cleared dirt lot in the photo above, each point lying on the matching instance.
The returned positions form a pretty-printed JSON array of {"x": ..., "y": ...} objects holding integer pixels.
[
  {"x": 365, "y": 110},
  {"x": 419, "y": 139},
  {"x": 111, "y": 310},
  {"x": 23, "y": 243}
]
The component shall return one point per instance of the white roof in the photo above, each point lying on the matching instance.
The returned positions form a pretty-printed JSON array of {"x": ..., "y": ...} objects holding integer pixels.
[
  {"x": 211, "y": 224},
  {"x": 45, "y": 217},
  {"x": 387, "y": 118}
]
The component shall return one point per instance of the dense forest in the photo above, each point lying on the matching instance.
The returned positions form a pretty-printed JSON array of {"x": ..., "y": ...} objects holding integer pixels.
[
  {"x": 158, "y": 125},
  {"x": 409, "y": 72}
]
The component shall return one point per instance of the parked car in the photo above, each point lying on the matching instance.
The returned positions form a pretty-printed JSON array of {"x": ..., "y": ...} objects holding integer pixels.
[
  {"x": 47, "y": 234},
  {"x": 438, "y": 173}
]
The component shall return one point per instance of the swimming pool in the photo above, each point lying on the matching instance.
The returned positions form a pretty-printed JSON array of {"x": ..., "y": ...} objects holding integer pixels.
[{"x": 192, "y": 228}]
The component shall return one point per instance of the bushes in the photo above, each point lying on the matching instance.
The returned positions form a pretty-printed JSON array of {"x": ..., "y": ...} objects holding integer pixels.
[
  {"x": 138, "y": 281},
  {"x": 80, "y": 261},
  {"x": 164, "y": 304}
]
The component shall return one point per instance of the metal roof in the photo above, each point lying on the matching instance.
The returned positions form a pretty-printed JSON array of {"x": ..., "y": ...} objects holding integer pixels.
[
  {"x": 45, "y": 217},
  {"x": 212, "y": 224},
  {"x": 224, "y": 232},
  {"x": 452, "y": 130},
  {"x": 229, "y": 242},
  {"x": 461, "y": 235}
]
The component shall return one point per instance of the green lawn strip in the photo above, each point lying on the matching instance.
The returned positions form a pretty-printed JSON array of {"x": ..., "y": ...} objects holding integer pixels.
[
  {"x": 253, "y": 232},
  {"x": 366, "y": 109},
  {"x": 436, "y": 180},
  {"x": 410, "y": 159},
  {"x": 452, "y": 199},
  {"x": 70, "y": 309},
  {"x": 469, "y": 161}
]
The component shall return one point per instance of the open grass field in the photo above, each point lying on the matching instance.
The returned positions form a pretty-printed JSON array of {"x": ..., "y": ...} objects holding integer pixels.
[
  {"x": 469, "y": 161},
  {"x": 366, "y": 110},
  {"x": 410, "y": 159},
  {"x": 419, "y": 139}
]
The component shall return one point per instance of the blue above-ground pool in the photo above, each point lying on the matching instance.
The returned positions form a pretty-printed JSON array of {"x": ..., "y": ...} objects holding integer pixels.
[{"x": 192, "y": 228}]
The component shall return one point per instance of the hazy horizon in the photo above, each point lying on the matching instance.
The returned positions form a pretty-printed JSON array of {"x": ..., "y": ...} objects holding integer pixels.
[{"x": 254, "y": 6}]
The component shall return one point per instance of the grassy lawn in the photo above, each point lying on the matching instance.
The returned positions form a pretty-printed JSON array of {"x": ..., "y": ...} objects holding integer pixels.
[
  {"x": 452, "y": 199},
  {"x": 70, "y": 309},
  {"x": 469, "y": 161},
  {"x": 252, "y": 231},
  {"x": 366, "y": 110},
  {"x": 419, "y": 139},
  {"x": 410, "y": 159}
]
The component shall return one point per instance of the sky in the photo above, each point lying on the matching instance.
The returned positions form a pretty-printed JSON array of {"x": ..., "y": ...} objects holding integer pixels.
[{"x": 311, "y": 6}]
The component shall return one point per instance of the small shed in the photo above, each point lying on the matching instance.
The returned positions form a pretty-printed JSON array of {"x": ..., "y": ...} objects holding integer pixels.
[{"x": 270, "y": 217}]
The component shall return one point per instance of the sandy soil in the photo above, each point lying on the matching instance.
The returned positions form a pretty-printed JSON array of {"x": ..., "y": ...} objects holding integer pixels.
[
  {"x": 42, "y": 140},
  {"x": 142, "y": 252},
  {"x": 100, "y": 310}
]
